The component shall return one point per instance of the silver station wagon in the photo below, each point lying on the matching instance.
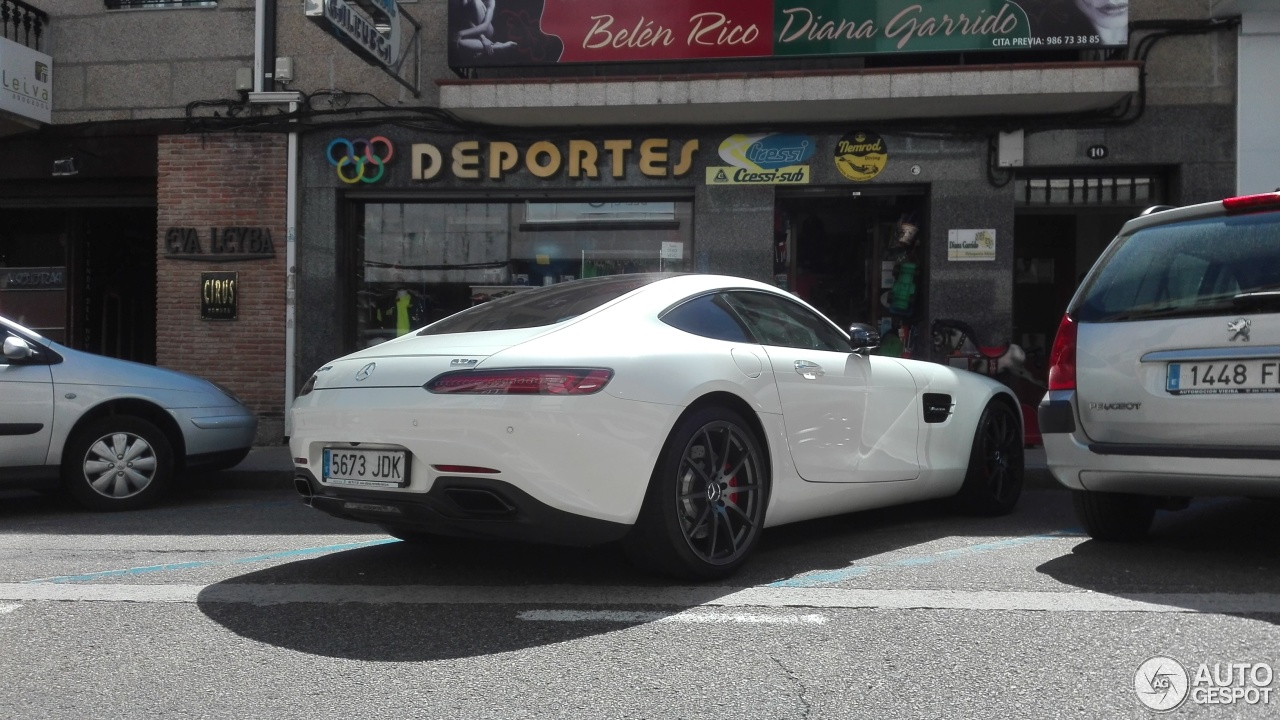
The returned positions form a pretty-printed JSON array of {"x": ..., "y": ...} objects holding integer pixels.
[{"x": 1164, "y": 379}]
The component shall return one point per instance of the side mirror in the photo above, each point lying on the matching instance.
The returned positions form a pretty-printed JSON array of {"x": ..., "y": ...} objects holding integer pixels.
[
  {"x": 863, "y": 337},
  {"x": 17, "y": 348}
]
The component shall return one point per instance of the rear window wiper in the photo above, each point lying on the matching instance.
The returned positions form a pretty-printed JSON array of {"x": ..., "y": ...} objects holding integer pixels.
[
  {"x": 1167, "y": 312},
  {"x": 1257, "y": 298}
]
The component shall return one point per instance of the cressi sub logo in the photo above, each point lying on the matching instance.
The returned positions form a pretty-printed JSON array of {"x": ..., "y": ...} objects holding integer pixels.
[
  {"x": 763, "y": 159},
  {"x": 766, "y": 151}
]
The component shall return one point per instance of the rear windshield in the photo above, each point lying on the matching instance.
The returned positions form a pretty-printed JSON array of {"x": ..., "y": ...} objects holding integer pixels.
[
  {"x": 1189, "y": 269},
  {"x": 542, "y": 305}
]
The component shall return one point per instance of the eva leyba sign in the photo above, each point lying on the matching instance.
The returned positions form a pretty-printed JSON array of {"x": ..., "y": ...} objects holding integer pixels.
[
  {"x": 552, "y": 32},
  {"x": 27, "y": 79}
]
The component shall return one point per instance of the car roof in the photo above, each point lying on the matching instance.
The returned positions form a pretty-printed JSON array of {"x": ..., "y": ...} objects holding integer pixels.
[{"x": 1197, "y": 211}]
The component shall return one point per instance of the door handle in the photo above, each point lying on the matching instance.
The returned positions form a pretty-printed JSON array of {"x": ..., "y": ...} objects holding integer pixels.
[{"x": 810, "y": 370}]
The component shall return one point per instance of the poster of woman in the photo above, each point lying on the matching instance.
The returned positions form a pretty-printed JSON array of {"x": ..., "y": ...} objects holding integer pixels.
[{"x": 549, "y": 32}]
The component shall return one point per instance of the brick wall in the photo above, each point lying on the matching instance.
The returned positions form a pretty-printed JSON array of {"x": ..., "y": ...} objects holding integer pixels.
[{"x": 225, "y": 180}]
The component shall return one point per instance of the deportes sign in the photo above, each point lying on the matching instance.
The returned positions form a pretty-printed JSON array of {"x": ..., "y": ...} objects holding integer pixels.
[
  {"x": 763, "y": 159},
  {"x": 550, "y": 32}
]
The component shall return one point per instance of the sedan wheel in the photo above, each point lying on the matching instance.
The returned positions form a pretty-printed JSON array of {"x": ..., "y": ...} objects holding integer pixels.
[
  {"x": 117, "y": 463},
  {"x": 993, "y": 483},
  {"x": 706, "y": 501}
]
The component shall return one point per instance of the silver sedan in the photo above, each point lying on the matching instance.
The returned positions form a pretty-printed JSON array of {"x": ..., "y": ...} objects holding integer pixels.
[{"x": 112, "y": 434}]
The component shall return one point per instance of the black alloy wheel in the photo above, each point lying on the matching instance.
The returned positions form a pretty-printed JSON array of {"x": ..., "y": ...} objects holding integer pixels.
[
  {"x": 706, "y": 501},
  {"x": 996, "y": 472}
]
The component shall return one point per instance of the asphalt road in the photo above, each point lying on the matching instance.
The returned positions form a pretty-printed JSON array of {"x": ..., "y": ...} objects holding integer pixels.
[{"x": 232, "y": 600}]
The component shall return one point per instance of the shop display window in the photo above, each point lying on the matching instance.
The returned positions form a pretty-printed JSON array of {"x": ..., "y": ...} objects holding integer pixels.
[
  {"x": 422, "y": 261},
  {"x": 33, "y": 271}
]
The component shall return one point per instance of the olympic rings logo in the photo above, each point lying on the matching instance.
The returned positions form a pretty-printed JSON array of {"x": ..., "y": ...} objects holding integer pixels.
[{"x": 359, "y": 153}]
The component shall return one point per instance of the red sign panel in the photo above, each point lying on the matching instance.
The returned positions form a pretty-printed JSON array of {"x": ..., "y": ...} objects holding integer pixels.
[{"x": 626, "y": 30}]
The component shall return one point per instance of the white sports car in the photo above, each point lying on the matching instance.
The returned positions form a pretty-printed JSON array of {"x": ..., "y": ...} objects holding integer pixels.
[{"x": 679, "y": 414}]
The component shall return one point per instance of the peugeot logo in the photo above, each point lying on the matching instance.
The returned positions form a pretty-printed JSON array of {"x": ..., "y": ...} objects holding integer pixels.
[
  {"x": 1239, "y": 329},
  {"x": 365, "y": 372}
]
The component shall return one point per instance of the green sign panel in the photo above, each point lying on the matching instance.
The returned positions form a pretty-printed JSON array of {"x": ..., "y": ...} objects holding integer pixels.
[{"x": 860, "y": 27}]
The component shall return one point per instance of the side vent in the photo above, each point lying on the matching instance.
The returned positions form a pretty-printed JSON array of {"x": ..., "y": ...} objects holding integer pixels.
[{"x": 937, "y": 407}]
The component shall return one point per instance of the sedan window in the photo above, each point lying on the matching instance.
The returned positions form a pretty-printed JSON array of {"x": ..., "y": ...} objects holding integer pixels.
[
  {"x": 778, "y": 321},
  {"x": 708, "y": 316}
]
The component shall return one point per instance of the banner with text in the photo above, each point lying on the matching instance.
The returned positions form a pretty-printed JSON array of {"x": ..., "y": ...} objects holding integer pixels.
[{"x": 548, "y": 32}]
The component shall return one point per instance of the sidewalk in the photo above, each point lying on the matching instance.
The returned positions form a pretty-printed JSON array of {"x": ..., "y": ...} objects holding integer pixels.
[
  {"x": 272, "y": 465},
  {"x": 265, "y": 466}
]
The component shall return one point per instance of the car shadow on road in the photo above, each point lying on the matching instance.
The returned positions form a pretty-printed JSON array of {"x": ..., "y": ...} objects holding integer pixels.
[
  {"x": 1196, "y": 558},
  {"x": 385, "y": 629}
]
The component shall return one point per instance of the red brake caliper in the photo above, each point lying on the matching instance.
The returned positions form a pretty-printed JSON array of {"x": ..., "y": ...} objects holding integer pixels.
[{"x": 733, "y": 482}]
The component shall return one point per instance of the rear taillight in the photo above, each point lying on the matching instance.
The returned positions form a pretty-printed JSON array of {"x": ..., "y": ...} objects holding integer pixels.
[
  {"x": 1248, "y": 203},
  {"x": 1062, "y": 359},
  {"x": 552, "y": 381}
]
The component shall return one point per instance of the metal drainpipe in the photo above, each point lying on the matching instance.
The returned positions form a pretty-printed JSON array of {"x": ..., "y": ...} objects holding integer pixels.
[
  {"x": 291, "y": 276},
  {"x": 259, "y": 38},
  {"x": 264, "y": 50},
  {"x": 264, "y": 53}
]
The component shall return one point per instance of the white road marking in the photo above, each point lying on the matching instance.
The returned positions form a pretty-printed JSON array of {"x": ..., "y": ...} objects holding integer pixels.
[
  {"x": 687, "y": 616},
  {"x": 684, "y": 597},
  {"x": 7, "y": 608}
]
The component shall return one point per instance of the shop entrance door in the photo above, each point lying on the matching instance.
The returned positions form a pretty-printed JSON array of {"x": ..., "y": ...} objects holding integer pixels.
[
  {"x": 856, "y": 258},
  {"x": 1052, "y": 252},
  {"x": 83, "y": 276},
  {"x": 1063, "y": 222},
  {"x": 115, "y": 271}
]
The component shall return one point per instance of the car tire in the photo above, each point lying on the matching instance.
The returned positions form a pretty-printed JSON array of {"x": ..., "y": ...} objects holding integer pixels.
[
  {"x": 703, "y": 513},
  {"x": 118, "y": 462},
  {"x": 996, "y": 471},
  {"x": 1114, "y": 517}
]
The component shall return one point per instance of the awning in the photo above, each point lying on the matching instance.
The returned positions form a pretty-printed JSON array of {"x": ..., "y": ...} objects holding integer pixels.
[{"x": 794, "y": 97}]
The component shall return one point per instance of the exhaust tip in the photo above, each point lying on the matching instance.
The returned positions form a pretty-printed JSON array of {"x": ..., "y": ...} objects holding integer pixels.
[
  {"x": 304, "y": 489},
  {"x": 479, "y": 501}
]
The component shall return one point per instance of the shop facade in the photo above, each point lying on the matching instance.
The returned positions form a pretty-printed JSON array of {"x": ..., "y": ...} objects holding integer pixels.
[
  {"x": 895, "y": 182},
  {"x": 868, "y": 226}
]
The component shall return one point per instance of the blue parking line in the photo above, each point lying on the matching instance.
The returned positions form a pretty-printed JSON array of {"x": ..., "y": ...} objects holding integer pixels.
[
  {"x": 147, "y": 569},
  {"x": 834, "y": 576}
]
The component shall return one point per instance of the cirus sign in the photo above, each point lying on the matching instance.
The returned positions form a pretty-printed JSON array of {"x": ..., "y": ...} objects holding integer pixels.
[{"x": 1098, "y": 152}]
